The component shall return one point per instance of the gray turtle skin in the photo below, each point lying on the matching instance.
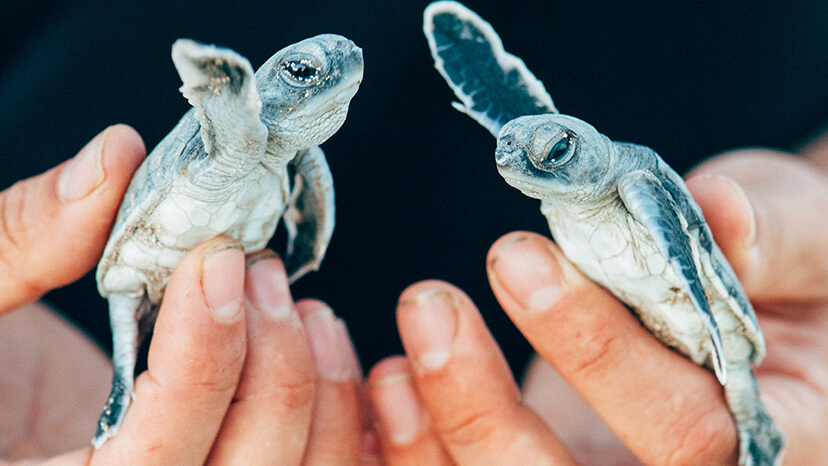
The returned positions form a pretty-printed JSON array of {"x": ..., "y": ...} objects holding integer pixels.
[
  {"x": 618, "y": 212},
  {"x": 245, "y": 156}
]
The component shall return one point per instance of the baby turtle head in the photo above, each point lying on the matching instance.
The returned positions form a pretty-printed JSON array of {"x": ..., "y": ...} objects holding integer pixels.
[
  {"x": 554, "y": 155},
  {"x": 305, "y": 90}
]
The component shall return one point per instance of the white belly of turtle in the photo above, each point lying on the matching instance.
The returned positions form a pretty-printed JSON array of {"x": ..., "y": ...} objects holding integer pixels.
[
  {"x": 611, "y": 248},
  {"x": 188, "y": 215}
]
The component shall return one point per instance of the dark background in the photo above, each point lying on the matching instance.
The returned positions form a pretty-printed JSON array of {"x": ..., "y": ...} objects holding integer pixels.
[{"x": 418, "y": 195}]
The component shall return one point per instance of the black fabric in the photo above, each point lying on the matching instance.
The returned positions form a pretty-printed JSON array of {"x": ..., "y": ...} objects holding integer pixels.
[{"x": 418, "y": 195}]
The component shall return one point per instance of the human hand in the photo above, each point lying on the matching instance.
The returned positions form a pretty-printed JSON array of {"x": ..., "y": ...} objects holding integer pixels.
[
  {"x": 269, "y": 382},
  {"x": 452, "y": 400}
]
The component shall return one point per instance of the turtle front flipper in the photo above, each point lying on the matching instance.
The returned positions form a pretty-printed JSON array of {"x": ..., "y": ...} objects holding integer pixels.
[
  {"x": 310, "y": 215},
  {"x": 493, "y": 85},
  {"x": 653, "y": 207},
  {"x": 220, "y": 84},
  {"x": 130, "y": 316}
]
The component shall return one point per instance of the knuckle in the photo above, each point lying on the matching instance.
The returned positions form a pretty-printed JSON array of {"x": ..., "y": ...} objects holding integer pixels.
[
  {"x": 594, "y": 352},
  {"x": 201, "y": 377},
  {"x": 17, "y": 237},
  {"x": 703, "y": 438},
  {"x": 295, "y": 395},
  {"x": 474, "y": 428},
  {"x": 13, "y": 226}
]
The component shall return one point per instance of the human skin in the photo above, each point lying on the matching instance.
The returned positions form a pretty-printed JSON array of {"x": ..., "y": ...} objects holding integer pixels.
[
  {"x": 452, "y": 400},
  {"x": 237, "y": 372}
]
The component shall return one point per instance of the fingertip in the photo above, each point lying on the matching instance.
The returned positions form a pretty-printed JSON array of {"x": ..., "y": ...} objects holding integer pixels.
[
  {"x": 398, "y": 409},
  {"x": 423, "y": 289},
  {"x": 222, "y": 279},
  {"x": 123, "y": 151},
  {"x": 502, "y": 244},
  {"x": 310, "y": 306},
  {"x": 124, "y": 139},
  {"x": 329, "y": 341},
  {"x": 427, "y": 317},
  {"x": 528, "y": 271},
  {"x": 267, "y": 288},
  {"x": 390, "y": 366},
  {"x": 105, "y": 164},
  {"x": 399, "y": 417}
]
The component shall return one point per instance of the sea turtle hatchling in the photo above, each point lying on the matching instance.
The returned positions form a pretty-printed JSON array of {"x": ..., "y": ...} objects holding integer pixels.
[
  {"x": 243, "y": 157},
  {"x": 617, "y": 211}
]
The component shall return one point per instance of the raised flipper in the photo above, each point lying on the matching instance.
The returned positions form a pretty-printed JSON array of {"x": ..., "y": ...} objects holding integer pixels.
[
  {"x": 310, "y": 215},
  {"x": 129, "y": 317},
  {"x": 220, "y": 84},
  {"x": 653, "y": 207},
  {"x": 493, "y": 85}
]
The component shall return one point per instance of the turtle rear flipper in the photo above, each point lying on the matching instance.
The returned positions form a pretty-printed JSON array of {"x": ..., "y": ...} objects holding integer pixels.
[
  {"x": 310, "y": 215},
  {"x": 760, "y": 442},
  {"x": 130, "y": 316},
  {"x": 493, "y": 85}
]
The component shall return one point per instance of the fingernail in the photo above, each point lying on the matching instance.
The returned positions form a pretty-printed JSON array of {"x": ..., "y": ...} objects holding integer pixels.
[
  {"x": 222, "y": 280},
  {"x": 84, "y": 172},
  {"x": 528, "y": 271},
  {"x": 325, "y": 335},
  {"x": 738, "y": 192},
  {"x": 397, "y": 407},
  {"x": 751, "y": 241},
  {"x": 428, "y": 322},
  {"x": 267, "y": 287}
]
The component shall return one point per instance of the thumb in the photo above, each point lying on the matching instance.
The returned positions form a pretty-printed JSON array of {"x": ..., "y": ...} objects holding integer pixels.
[
  {"x": 769, "y": 214},
  {"x": 53, "y": 227}
]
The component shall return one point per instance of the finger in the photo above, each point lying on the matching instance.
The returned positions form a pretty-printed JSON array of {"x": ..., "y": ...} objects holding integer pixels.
[
  {"x": 269, "y": 419},
  {"x": 402, "y": 423},
  {"x": 642, "y": 390},
  {"x": 194, "y": 363},
  {"x": 581, "y": 429},
  {"x": 69, "y": 208},
  {"x": 336, "y": 430},
  {"x": 465, "y": 383},
  {"x": 770, "y": 221}
]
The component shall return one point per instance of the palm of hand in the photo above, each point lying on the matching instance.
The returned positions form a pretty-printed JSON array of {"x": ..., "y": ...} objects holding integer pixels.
[{"x": 47, "y": 407}]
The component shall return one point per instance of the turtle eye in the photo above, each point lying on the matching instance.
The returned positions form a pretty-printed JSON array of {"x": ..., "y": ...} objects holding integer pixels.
[
  {"x": 560, "y": 152},
  {"x": 301, "y": 73}
]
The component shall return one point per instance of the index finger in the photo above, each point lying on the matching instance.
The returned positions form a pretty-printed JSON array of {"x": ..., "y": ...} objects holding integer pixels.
[
  {"x": 195, "y": 360},
  {"x": 663, "y": 407}
]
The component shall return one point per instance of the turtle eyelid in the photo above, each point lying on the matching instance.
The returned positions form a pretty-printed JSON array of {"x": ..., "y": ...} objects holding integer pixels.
[
  {"x": 299, "y": 72},
  {"x": 558, "y": 151}
]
